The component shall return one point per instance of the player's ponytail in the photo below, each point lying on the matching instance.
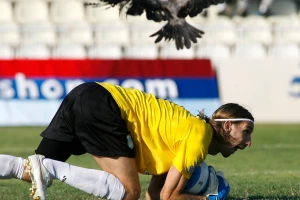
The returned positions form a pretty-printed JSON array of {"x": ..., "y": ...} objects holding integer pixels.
[{"x": 208, "y": 120}]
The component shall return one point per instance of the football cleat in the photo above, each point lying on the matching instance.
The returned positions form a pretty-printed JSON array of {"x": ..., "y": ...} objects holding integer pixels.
[{"x": 40, "y": 177}]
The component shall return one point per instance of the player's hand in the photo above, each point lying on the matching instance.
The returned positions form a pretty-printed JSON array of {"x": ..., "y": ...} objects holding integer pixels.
[
  {"x": 223, "y": 188},
  {"x": 213, "y": 182}
]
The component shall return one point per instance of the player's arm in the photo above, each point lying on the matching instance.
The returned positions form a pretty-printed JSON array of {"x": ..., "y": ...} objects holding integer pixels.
[
  {"x": 155, "y": 186},
  {"x": 174, "y": 187}
]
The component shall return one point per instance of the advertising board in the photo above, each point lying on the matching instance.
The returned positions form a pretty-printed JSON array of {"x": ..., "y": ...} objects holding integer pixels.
[{"x": 32, "y": 90}]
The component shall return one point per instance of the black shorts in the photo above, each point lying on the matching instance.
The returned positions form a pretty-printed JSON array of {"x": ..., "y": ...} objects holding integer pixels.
[{"x": 87, "y": 121}]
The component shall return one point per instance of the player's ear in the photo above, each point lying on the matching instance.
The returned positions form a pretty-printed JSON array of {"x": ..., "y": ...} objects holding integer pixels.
[{"x": 227, "y": 126}]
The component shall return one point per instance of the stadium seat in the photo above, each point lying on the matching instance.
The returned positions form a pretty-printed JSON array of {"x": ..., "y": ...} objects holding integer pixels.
[
  {"x": 169, "y": 51},
  {"x": 199, "y": 19},
  {"x": 38, "y": 33},
  {"x": 212, "y": 13},
  {"x": 108, "y": 51},
  {"x": 6, "y": 11},
  {"x": 218, "y": 31},
  {"x": 287, "y": 32},
  {"x": 116, "y": 33},
  {"x": 140, "y": 28},
  {"x": 69, "y": 51},
  {"x": 141, "y": 51},
  {"x": 283, "y": 19},
  {"x": 102, "y": 14},
  {"x": 75, "y": 33},
  {"x": 9, "y": 34},
  {"x": 32, "y": 11},
  {"x": 33, "y": 51},
  {"x": 254, "y": 29},
  {"x": 128, "y": 19},
  {"x": 287, "y": 50},
  {"x": 67, "y": 11},
  {"x": 213, "y": 51},
  {"x": 286, "y": 7},
  {"x": 6, "y": 52},
  {"x": 140, "y": 32},
  {"x": 251, "y": 50}
]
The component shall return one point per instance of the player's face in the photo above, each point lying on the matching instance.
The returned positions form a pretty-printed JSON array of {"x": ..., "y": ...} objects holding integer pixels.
[{"x": 240, "y": 138}]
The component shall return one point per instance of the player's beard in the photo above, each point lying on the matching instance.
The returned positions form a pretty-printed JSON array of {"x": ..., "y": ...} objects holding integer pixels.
[{"x": 225, "y": 137}]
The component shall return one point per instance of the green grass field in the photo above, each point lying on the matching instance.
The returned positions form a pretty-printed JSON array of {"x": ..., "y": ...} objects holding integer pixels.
[{"x": 269, "y": 169}]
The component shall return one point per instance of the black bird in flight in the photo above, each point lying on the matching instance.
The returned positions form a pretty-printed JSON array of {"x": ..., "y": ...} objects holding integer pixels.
[{"x": 173, "y": 11}]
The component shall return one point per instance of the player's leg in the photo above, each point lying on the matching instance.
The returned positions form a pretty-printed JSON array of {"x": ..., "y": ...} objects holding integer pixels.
[
  {"x": 91, "y": 113},
  {"x": 14, "y": 167},
  {"x": 156, "y": 184},
  {"x": 56, "y": 144},
  {"x": 35, "y": 171},
  {"x": 126, "y": 171},
  {"x": 96, "y": 182},
  {"x": 42, "y": 171},
  {"x": 103, "y": 132},
  {"x": 11, "y": 167}
]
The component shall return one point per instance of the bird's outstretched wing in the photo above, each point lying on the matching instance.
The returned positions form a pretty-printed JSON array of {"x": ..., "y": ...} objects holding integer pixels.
[
  {"x": 195, "y": 7},
  {"x": 111, "y": 2},
  {"x": 153, "y": 8}
]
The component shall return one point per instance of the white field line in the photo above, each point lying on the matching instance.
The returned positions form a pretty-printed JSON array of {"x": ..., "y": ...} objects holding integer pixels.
[
  {"x": 266, "y": 173},
  {"x": 280, "y": 146}
]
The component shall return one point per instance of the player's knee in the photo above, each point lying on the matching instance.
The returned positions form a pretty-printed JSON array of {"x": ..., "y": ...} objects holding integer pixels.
[{"x": 132, "y": 193}]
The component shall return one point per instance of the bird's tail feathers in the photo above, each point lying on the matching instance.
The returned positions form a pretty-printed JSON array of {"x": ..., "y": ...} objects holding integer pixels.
[{"x": 182, "y": 33}]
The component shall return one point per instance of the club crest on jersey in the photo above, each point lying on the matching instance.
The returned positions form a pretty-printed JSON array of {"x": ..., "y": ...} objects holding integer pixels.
[
  {"x": 129, "y": 142},
  {"x": 147, "y": 173}
]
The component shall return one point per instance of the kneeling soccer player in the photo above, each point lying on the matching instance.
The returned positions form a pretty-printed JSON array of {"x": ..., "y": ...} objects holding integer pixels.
[{"x": 129, "y": 132}]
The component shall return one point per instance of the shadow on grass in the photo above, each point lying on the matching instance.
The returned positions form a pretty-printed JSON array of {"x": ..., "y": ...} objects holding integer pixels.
[{"x": 267, "y": 198}]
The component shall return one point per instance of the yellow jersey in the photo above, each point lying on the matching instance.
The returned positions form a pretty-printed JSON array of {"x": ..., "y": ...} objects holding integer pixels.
[{"x": 163, "y": 132}]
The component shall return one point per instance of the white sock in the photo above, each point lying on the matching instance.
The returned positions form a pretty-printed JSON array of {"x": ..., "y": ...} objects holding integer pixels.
[
  {"x": 96, "y": 182},
  {"x": 11, "y": 167},
  {"x": 264, "y": 5}
]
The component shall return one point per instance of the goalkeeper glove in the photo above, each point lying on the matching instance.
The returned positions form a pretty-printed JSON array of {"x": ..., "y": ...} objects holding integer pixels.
[{"x": 223, "y": 188}]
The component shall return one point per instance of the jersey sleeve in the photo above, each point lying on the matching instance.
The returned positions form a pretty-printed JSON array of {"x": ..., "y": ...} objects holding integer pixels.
[
  {"x": 190, "y": 152},
  {"x": 188, "y": 158}
]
